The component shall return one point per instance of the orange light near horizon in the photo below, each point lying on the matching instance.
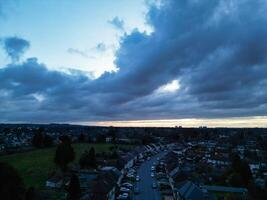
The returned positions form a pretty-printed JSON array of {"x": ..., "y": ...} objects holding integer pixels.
[{"x": 235, "y": 122}]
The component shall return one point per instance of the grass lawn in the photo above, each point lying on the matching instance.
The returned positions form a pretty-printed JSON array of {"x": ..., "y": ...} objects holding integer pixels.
[{"x": 34, "y": 166}]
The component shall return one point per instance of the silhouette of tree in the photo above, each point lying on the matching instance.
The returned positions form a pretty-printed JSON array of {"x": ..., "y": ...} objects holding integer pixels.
[
  {"x": 64, "y": 155},
  {"x": 40, "y": 139},
  {"x": 31, "y": 194},
  {"x": 100, "y": 138},
  {"x": 11, "y": 185},
  {"x": 47, "y": 141},
  {"x": 236, "y": 162},
  {"x": 81, "y": 137},
  {"x": 92, "y": 157},
  {"x": 112, "y": 133},
  {"x": 245, "y": 172},
  {"x": 88, "y": 159},
  {"x": 242, "y": 170},
  {"x": 37, "y": 140},
  {"x": 74, "y": 190},
  {"x": 147, "y": 139},
  {"x": 114, "y": 155},
  {"x": 65, "y": 139}
]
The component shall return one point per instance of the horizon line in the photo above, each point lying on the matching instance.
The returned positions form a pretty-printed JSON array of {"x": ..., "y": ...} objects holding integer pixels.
[{"x": 229, "y": 122}]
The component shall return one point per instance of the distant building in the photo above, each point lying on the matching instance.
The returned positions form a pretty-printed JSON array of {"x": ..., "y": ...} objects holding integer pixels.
[{"x": 109, "y": 139}]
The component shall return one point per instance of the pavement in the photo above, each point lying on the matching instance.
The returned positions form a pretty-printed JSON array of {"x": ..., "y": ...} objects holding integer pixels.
[{"x": 145, "y": 183}]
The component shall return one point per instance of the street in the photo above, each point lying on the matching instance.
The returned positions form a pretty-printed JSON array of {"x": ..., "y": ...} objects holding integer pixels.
[{"x": 146, "y": 181}]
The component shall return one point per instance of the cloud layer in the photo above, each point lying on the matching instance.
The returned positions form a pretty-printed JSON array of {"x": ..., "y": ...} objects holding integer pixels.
[{"x": 216, "y": 51}]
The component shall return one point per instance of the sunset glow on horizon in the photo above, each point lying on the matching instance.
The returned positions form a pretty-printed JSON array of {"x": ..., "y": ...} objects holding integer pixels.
[{"x": 235, "y": 122}]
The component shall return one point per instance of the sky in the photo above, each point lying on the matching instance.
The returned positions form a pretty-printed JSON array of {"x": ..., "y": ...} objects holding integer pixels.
[{"x": 134, "y": 63}]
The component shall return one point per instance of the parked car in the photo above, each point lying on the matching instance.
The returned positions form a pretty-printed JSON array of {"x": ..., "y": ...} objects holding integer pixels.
[
  {"x": 132, "y": 171},
  {"x": 123, "y": 196},
  {"x": 124, "y": 189},
  {"x": 137, "y": 178},
  {"x": 154, "y": 185},
  {"x": 127, "y": 185}
]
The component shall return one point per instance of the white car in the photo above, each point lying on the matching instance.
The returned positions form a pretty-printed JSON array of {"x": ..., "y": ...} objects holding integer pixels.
[
  {"x": 132, "y": 171},
  {"x": 152, "y": 174},
  {"x": 137, "y": 178},
  {"x": 124, "y": 189},
  {"x": 127, "y": 185},
  {"x": 123, "y": 196},
  {"x": 130, "y": 175}
]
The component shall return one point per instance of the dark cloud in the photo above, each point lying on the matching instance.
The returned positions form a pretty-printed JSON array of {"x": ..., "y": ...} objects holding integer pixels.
[
  {"x": 15, "y": 47},
  {"x": 32, "y": 89},
  {"x": 117, "y": 23},
  {"x": 218, "y": 57}
]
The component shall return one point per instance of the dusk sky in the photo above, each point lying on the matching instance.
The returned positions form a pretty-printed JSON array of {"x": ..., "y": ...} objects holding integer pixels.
[{"x": 134, "y": 62}]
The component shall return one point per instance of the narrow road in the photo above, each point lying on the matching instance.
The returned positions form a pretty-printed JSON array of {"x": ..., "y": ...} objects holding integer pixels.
[{"x": 146, "y": 181}]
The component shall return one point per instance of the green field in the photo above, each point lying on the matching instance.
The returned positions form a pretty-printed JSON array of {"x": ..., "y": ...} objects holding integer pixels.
[{"x": 34, "y": 166}]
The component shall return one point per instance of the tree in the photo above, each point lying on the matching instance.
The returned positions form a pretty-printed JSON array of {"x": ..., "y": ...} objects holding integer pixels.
[
  {"x": 84, "y": 160},
  {"x": 40, "y": 140},
  {"x": 245, "y": 172},
  {"x": 236, "y": 162},
  {"x": 47, "y": 141},
  {"x": 64, "y": 155},
  {"x": 100, "y": 138},
  {"x": 37, "y": 140},
  {"x": 11, "y": 185},
  {"x": 242, "y": 169},
  {"x": 92, "y": 157},
  {"x": 236, "y": 180},
  {"x": 88, "y": 159},
  {"x": 147, "y": 139},
  {"x": 81, "y": 137},
  {"x": 112, "y": 133},
  {"x": 65, "y": 139},
  {"x": 74, "y": 190},
  {"x": 114, "y": 155},
  {"x": 31, "y": 194}
]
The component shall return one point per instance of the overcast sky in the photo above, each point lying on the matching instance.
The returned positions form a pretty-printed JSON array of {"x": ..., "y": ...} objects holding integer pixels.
[{"x": 137, "y": 63}]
